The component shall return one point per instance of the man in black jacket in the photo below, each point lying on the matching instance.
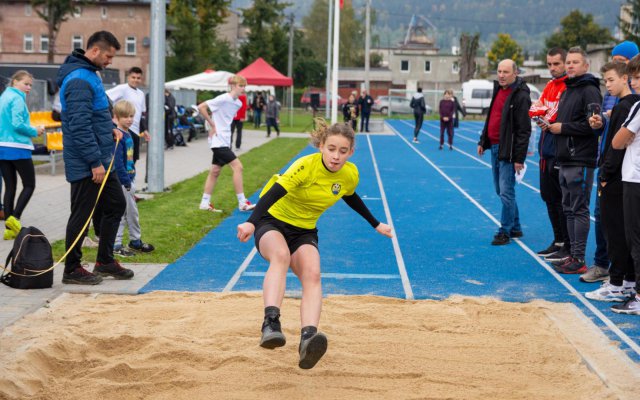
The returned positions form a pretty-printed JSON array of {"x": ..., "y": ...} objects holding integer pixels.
[
  {"x": 506, "y": 132},
  {"x": 576, "y": 154}
]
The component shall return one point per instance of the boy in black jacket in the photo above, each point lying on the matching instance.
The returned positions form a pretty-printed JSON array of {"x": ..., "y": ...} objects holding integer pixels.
[
  {"x": 576, "y": 154},
  {"x": 621, "y": 274}
]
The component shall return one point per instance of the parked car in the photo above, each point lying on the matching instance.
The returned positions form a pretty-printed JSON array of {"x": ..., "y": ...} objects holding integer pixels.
[
  {"x": 477, "y": 94},
  {"x": 305, "y": 100},
  {"x": 398, "y": 105}
]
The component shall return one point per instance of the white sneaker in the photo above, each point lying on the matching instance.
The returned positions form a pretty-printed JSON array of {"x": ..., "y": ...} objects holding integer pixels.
[
  {"x": 629, "y": 288},
  {"x": 209, "y": 207},
  {"x": 630, "y": 307},
  {"x": 608, "y": 292},
  {"x": 247, "y": 206}
]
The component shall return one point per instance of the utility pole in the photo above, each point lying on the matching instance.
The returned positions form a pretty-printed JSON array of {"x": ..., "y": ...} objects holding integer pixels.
[
  {"x": 367, "y": 45},
  {"x": 328, "y": 84},
  {"x": 336, "y": 58},
  {"x": 155, "y": 164},
  {"x": 290, "y": 68}
]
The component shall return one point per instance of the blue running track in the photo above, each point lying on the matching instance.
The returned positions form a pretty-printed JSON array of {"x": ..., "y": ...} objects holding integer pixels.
[{"x": 444, "y": 212}]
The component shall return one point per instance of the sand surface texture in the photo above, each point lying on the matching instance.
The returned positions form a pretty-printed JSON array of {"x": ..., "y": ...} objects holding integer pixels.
[{"x": 175, "y": 346}]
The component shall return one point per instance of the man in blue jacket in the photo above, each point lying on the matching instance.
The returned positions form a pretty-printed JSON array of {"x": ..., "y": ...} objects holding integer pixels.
[{"x": 88, "y": 137}]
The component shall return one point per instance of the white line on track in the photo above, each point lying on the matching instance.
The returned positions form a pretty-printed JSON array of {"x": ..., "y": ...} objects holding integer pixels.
[
  {"x": 334, "y": 275},
  {"x": 613, "y": 327},
  {"x": 396, "y": 245},
  {"x": 236, "y": 277},
  {"x": 471, "y": 156}
]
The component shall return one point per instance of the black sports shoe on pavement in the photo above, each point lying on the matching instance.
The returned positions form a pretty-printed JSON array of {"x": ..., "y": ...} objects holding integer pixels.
[
  {"x": 113, "y": 269},
  {"x": 272, "y": 335},
  {"x": 81, "y": 276},
  {"x": 560, "y": 255},
  {"x": 516, "y": 234},
  {"x": 500, "y": 239},
  {"x": 553, "y": 247},
  {"x": 312, "y": 350}
]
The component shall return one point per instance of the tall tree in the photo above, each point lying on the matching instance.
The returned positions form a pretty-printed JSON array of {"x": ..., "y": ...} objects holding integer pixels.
[
  {"x": 267, "y": 34},
  {"x": 54, "y": 13},
  {"x": 468, "y": 50},
  {"x": 504, "y": 47},
  {"x": 352, "y": 32},
  {"x": 631, "y": 29},
  {"x": 578, "y": 30}
]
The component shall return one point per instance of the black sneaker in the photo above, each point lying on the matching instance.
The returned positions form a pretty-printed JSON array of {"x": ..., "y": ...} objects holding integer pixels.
[
  {"x": 139, "y": 245},
  {"x": 113, "y": 269},
  {"x": 500, "y": 239},
  {"x": 630, "y": 307},
  {"x": 560, "y": 255},
  {"x": 81, "y": 276},
  {"x": 562, "y": 262},
  {"x": 272, "y": 335},
  {"x": 516, "y": 234},
  {"x": 576, "y": 266},
  {"x": 553, "y": 247},
  {"x": 312, "y": 350}
]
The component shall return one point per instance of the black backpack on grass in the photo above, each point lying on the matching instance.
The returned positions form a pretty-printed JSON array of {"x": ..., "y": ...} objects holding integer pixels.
[{"x": 31, "y": 254}]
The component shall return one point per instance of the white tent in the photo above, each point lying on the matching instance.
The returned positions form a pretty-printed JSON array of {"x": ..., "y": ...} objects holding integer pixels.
[{"x": 212, "y": 80}]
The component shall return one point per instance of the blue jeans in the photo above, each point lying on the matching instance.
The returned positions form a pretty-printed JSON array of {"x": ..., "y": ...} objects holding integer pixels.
[{"x": 504, "y": 180}]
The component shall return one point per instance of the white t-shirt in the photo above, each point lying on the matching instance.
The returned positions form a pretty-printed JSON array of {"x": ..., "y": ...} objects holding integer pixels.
[
  {"x": 631, "y": 162},
  {"x": 135, "y": 96},
  {"x": 223, "y": 108}
]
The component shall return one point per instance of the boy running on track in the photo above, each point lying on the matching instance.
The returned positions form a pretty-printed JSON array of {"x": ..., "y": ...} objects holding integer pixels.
[
  {"x": 223, "y": 108},
  {"x": 284, "y": 226}
]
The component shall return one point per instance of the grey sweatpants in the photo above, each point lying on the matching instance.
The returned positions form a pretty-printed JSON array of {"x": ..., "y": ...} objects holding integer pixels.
[
  {"x": 576, "y": 184},
  {"x": 130, "y": 217}
]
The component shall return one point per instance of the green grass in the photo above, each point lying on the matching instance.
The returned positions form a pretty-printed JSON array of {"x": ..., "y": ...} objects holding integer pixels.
[{"x": 173, "y": 223}]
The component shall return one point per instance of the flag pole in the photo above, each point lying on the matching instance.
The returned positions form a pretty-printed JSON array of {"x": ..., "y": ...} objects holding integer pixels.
[{"x": 336, "y": 54}]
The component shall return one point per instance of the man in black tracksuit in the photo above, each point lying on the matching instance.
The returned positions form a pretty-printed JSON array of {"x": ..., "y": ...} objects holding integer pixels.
[
  {"x": 576, "y": 154},
  {"x": 506, "y": 133}
]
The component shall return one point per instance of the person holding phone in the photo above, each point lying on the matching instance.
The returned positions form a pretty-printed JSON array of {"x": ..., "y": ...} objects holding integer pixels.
[{"x": 544, "y": 112}]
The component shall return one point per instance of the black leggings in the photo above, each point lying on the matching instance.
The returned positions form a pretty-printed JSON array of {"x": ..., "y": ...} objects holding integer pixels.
[{"x": 27, "y": 173}]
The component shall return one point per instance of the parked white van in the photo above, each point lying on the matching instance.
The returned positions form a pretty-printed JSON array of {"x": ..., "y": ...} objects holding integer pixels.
[{"x": 477, "y": 94}]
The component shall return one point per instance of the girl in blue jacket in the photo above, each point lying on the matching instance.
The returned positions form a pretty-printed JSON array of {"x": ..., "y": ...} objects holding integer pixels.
[{"x": 15, "y": 150}]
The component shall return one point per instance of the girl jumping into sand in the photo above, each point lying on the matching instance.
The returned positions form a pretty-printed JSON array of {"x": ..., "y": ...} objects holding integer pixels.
[{"x": 284, "y": 226}]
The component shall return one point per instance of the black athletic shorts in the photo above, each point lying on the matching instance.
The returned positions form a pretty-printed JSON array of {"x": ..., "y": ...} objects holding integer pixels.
[
  {"x": 294, "y": 236},
  {"x": 222, "y": 156}
]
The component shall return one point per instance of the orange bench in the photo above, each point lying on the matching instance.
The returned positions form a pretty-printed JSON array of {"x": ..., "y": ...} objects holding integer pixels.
[{"x": 43, "y": 118}]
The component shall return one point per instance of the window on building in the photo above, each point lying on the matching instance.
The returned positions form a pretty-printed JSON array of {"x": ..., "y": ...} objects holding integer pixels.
[
  {"x": 131, "y": 12},
  {"x": 455, "y": 67},
  {"x": 427, "y": 66},
  {"x": 76, "y": 42},
  {"x": 27, "y": 10},
  {"x": 44, "y": 43},
  {"x": 77, "y": 12},
  {"x": 0, "y": 42},
  {"x": 130, "y": 45},
  {"x": 404, "y": 65},
  {"x": 103, "y": 12},
  {"x": 27, "y": 42}
]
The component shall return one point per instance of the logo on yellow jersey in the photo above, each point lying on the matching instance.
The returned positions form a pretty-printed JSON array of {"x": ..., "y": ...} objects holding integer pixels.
[{"x": 335, "y": 188}]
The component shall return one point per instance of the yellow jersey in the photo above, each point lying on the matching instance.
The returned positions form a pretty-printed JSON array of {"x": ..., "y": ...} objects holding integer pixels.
[{"x": 311, "y": 190}]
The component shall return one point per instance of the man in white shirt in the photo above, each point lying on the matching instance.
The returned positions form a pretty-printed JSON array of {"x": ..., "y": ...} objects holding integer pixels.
[
  {"x": 223, "y": 108},
  {"x": 130, "y": 91}
]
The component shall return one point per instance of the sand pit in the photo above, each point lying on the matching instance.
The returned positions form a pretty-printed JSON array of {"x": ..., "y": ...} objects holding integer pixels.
[{"x": 204, "y": 346}]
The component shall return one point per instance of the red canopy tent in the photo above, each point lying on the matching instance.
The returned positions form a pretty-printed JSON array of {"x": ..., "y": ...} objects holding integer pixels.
[{"x": 261, "y": 73}]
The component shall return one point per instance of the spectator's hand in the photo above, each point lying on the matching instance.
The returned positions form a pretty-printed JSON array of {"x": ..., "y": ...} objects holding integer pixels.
[
  {"x": 98, "y": 174},
  {"x": 608, "y": 113},
  {"x": 555, "y": 128},
  {"x": 595, "y": 121},
  {"x": 40, "y": 129},
  {"x": 128, "y": 187},
  {"x": 518, "y": 167},
  {"x": 543, "y": 124},
  {"x": 117, "y": 134},
  {"x": 145, "y": 135},
  {"x": 445, "y": 119},
  {"x": 212, "y": 131},
  {"x": 480, "y": 151},
  {"x": 603, "y": 184},
  {"x": 245, "y": 230},
  {"x": 384, "y": 229}
]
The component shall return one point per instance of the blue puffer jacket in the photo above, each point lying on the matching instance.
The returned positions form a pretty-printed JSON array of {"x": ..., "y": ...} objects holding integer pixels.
[
  {"x": 87, "y": 129},
  {"x": 15, "y": 130}
]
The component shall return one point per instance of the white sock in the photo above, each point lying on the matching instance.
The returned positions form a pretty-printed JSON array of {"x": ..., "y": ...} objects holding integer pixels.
[
  {"x": 241, "y": 198},
  {"x": 206, "y": 199}
]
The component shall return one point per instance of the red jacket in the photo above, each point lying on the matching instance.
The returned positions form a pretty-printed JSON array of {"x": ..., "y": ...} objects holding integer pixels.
[
  {"x": 241, "y": 115},
  {"x": 547, "y": 105}
]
